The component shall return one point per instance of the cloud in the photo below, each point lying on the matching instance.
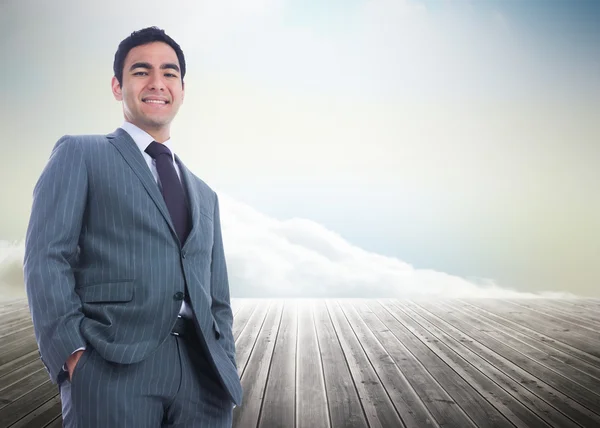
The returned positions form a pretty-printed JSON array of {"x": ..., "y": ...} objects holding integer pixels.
[
  {"x": 300, "y": 258},
  {"x": 268, "y": 257}
]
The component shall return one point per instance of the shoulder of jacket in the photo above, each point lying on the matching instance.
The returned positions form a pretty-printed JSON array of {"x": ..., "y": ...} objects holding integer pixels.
[
  {"x": 205, "y": 187},
  {"x": 206, "y": 192},
  {"x": 201, "y": 184},
  {"x": 81, "y": 141}
]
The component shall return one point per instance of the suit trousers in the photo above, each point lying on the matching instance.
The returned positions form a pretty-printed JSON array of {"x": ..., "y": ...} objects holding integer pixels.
[{"x": 174, "y": 387}]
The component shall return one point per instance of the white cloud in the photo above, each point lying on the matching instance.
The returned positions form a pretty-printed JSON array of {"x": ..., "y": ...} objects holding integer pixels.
[{"x": 299, "y": 258}]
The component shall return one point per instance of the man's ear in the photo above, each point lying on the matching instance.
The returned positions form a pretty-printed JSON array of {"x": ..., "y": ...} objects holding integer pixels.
[
  {"x": 182, "y": 90},
  {"x": 116, "y": 89}
]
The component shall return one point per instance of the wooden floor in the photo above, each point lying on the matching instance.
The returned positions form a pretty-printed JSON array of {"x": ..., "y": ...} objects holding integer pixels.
[{"x": 376, "y": 363}]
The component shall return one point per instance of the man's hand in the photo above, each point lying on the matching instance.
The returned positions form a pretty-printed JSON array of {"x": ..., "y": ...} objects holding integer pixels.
[{"x": 72, "y": 362}]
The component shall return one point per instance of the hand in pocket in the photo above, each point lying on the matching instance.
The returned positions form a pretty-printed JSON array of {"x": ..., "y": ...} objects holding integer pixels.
[{"x": 72, "y": 362}]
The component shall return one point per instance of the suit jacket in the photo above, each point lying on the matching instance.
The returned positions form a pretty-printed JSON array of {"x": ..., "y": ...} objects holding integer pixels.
[{"x": 104, "y": 267}]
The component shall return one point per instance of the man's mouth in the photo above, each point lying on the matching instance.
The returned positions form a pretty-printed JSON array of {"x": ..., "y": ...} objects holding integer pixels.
[{"x": 154, "y": 101}]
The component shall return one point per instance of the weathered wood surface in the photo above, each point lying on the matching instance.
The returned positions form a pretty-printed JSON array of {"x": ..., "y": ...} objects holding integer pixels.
[{"x": 375, "y": 363}]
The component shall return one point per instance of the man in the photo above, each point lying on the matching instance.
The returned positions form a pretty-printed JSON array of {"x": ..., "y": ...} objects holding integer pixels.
[{"x": 124, "y": 264}]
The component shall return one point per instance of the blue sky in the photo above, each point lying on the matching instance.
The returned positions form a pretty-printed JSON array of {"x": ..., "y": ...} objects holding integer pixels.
[{"x": 453, "y": 136}]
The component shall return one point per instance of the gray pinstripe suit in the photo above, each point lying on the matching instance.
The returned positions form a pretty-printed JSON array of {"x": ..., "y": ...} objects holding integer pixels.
[{"x": 104, "y": 268}]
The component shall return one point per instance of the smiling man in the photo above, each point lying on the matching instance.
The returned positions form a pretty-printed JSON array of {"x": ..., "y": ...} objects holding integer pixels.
[{"x": 124, "y": 264}]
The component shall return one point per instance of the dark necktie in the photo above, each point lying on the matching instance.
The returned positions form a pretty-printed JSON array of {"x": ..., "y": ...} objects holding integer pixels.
[{"x": 172, "y": 189}]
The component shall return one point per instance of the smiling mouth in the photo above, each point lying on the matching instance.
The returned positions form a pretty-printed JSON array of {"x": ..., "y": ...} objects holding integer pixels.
[{"x": 158, "y": 102}]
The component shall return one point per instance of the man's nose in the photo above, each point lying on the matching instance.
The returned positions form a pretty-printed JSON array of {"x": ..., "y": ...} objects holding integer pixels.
[{"x": 156, "y": 83}]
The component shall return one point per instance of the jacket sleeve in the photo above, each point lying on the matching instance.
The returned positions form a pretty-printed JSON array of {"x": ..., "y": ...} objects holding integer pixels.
[
  {"x": 51, "y": 251},
  {"x": 219, "y": 287}
]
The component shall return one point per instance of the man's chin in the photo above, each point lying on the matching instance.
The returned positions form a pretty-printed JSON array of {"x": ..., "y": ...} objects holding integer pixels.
[{"x": 156, "y": 123}]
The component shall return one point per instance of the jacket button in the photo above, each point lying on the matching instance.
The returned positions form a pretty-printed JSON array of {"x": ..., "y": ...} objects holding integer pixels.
[
  {"x": 178, "y": 296},
  {"x": 183, "y": 254}
]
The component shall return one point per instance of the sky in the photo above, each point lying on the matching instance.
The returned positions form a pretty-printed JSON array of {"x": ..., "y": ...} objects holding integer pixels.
[{"x": 363, "y": 147}]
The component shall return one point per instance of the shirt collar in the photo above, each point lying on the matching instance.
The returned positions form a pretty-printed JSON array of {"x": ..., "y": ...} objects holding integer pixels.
[{"x": 142, "y": 138}]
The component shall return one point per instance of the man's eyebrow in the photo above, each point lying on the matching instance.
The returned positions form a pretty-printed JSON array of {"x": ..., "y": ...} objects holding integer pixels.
[
  {"x": 140, "y": 65},
  {"x": 147, "y": 65},
  {"x": 170, "y": 65}
]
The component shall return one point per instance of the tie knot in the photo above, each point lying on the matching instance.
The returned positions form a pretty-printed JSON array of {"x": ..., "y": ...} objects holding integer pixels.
[{"x": 155, "y": 149}]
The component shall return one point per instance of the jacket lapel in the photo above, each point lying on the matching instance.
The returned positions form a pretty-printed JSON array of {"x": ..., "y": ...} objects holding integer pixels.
[
  {"x": 132, "y": 155},
  {"x": 187, "y": 179}
]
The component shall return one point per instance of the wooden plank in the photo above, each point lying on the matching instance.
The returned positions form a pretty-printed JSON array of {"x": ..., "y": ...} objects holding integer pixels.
[
  {"x": 470, "y": 327},
  {"x": 537, "y": 354},
  {"x": 56, "y": 423},
  {"x": 345, "y": 409},
  {"x": 574, "y": 383},
  {"x": 20, "y": 347},
  {"x": 378, "y": 408},
  {"x": 247, "y": 339},
  {"x": 436, "y": 399},
  {"x": 27, "y": 403},
  {"x": 9, "y": 367},
  {"x": 14, "y": 305},
  {"x": 15, "y": 310},
  {"x": 278, "y": 404},
  {"x": 527, "y": 332},
  {"x": 570, "y": 408},
  {"x": 479, "y": 410},
  {"x": 12, "y": 393},
  {"x": 311, "y": 402},
  {"x": 338, "y": 364},
  {"x": 7, "y": 334},
  {"x": 410, "y": 407},
  {"x": 7, "y": 301},
  {"x": 43, "y": 416},
  {"x": 17, "y": 376},
  {"x": 586, "y": 311},
  {"x": 559, "y": 306},
  {"x": 550, "y": 356},
  {"x": 242, "y": 317},
  {"x": 533, "y": 403},
  {"x": 559, "y": 316},
  {"x": 236, "y": 305},
  {"x": 537, "y": 322},
  {"x": 254, "y": 378},
  {"x": 13, "y": 339},
  {"x": 587, "y": 303},
  {"x": 10, "y": 323},
  {"x": 513, "y": 410}
]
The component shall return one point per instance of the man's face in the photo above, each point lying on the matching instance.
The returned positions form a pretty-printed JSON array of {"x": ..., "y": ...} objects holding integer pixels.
[{"x": 151, "y": 89}]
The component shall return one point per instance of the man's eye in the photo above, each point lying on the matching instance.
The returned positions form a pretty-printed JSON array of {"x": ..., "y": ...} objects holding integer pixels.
[
  {"x": 170, "y": 75},
  {"x": 140, "y": 73}
]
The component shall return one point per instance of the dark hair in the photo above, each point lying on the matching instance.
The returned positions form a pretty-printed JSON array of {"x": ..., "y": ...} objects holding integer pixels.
[{"x": 143, "y": 37}]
